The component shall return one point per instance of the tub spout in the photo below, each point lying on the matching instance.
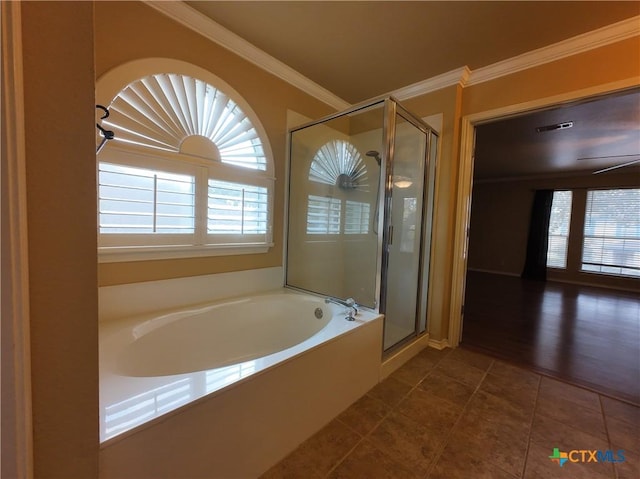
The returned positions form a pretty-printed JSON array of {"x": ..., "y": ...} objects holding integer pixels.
[{"x": 347, "y": 303}]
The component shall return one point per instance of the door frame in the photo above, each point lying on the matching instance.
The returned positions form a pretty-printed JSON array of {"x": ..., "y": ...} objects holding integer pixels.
[
  {"x": 16, "y": 416},
  {"x": 465, "y": 182}
]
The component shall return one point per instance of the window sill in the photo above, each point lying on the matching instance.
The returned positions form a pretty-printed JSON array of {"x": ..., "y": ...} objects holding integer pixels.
[{"x": 150, "y": 253}]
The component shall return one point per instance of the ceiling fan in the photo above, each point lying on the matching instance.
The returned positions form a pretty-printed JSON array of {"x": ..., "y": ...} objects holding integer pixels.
[{"x": 626, "y": 160}]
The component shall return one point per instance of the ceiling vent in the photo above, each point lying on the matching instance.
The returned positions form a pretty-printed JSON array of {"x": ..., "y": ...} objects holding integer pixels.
[{"x": 557, "y": 126}]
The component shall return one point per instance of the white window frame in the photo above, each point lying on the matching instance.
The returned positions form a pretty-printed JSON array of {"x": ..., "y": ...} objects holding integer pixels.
[{"x": 135, "y": 247}]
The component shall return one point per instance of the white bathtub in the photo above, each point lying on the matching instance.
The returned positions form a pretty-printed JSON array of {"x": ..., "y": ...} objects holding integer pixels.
[
  {"x": 267, "y": 370},
  {"x": 212, "y": 336}
]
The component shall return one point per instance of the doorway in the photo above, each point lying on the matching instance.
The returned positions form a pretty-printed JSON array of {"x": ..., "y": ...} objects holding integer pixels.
[
  {"x": 494, "y": 253},
  {"x": 465, "y": 184}
]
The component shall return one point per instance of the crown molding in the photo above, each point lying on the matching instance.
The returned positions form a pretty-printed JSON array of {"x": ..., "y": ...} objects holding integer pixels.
[
  {"x": 572, "y": 46},
  {"x": 459, "y": 76},
  {"x": 196, "y": 21}
]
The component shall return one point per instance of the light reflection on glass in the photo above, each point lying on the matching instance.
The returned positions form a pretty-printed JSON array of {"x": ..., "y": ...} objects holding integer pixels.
[
  {"x": 221, "y": 377},
  {"x": 140, "y": 408}
]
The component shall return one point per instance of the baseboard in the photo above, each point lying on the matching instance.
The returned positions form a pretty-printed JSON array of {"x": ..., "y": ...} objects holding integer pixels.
[
  {"x": 439, "y": 344},
  {"x": 398, "y": 358},
  {"x": 558, "y": 280},
  {"x": 594, "y": 285},
  {"x": 490, "y": 271}
]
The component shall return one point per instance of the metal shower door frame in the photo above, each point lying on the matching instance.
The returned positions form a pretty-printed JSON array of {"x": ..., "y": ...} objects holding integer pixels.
[{"x": 392, "y": 109}]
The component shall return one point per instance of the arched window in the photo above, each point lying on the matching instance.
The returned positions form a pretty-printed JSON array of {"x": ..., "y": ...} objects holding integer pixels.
[
  {"x": 188, "y": 172},
  {"x": 338, "y": 163}
]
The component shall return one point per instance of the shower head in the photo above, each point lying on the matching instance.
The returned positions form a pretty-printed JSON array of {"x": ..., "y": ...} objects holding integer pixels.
[{"x": 374, "y": 154}]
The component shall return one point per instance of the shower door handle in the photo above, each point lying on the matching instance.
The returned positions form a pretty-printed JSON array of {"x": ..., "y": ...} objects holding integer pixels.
[{"x": 390, "y": 242}]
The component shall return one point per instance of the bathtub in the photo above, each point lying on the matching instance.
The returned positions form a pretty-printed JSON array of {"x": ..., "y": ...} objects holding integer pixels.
[
  {"x": 227, "y": 389},
  {"x": 212, "y": 336}
]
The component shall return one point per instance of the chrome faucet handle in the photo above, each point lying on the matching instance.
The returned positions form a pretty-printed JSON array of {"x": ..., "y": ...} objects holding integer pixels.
[
  {"x": 349, "y": 303},
  {"x": 353, "y": 311}
]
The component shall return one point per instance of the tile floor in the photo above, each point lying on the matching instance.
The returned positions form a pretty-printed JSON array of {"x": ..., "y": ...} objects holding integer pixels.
[{"x": 460, "y": 414}]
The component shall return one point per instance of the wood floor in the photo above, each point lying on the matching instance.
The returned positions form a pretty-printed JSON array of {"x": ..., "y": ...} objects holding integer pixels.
[{"x": 586, "y": 336}]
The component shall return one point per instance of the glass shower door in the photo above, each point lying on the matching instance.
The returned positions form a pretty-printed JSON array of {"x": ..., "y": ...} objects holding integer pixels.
[
  {"x": 333, "y": 247},
  {"x": 403, "y": 259}
]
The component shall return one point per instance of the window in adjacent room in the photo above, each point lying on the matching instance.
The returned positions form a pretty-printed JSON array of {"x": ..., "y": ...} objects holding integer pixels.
[
  {"x": 408, "y": 232},
  {"x": 612, "y": 232},
  {"x": 188, "y": 172},
  {"x": 559, "y": 229}
]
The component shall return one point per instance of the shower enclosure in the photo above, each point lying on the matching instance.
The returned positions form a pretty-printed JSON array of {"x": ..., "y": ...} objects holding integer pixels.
[{"x": 360, "y": 208}]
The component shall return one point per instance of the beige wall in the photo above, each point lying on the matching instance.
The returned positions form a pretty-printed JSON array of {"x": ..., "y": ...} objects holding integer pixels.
[
  {"x": 61, "y": 207},
  {"x": 499, "y": 227},
  {"x": 126, "y": 31},
  {"x": 500, "y": 215}
]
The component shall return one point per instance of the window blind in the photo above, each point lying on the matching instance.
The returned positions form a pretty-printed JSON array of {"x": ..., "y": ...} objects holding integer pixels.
[
  {"x": 612, "y": 232},
  {"x": 559, "y": 229},
  {"x": 235, "y": 208},
  {"x": 141, "y": 201},
  {"x": 162, "y": 110}
]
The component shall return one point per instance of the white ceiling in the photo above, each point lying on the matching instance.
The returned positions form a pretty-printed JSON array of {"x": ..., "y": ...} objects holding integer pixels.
[{"x": 366, "y": 49}]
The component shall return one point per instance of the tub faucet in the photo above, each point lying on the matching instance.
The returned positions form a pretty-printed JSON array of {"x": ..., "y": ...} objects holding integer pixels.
[{"x": 347, "y": 303}]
